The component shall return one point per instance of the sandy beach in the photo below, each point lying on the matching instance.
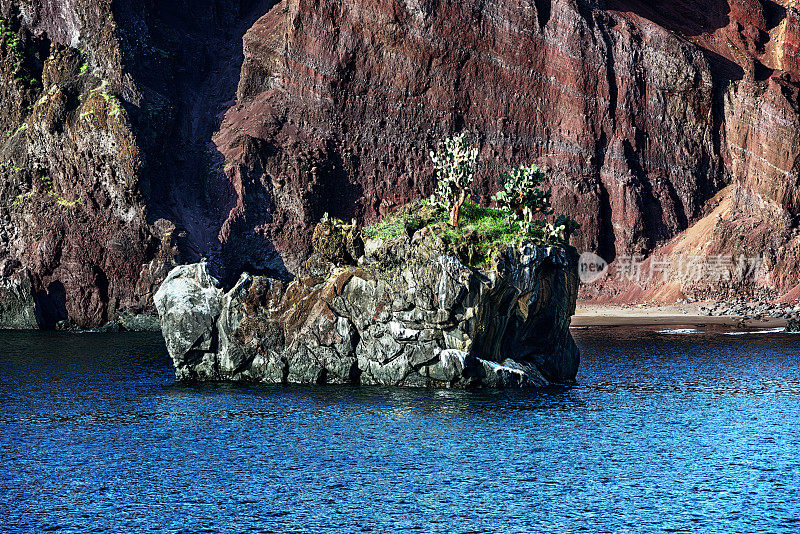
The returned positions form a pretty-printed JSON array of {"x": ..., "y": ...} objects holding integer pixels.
[{"x": 590, "y": 314}]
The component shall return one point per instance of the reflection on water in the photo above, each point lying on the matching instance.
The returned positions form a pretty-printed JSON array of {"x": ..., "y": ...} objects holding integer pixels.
[{"x": 694, "y": 433}]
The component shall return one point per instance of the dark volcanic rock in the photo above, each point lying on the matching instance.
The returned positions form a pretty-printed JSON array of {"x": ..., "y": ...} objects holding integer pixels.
[
  {"x": 431, "y": 322},
  {"x": 73, "y": 213}
]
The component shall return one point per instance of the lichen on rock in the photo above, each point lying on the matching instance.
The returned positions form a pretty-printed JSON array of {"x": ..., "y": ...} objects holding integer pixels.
[
  {"x": 18, "y": 308},
  {"x": 407, "y": 314}
]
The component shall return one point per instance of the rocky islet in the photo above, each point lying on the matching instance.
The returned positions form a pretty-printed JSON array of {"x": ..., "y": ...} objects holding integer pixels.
[{"x": 409, "y": 313}]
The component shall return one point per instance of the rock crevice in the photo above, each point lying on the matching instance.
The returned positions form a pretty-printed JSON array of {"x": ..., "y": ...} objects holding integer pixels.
[{"x": 409, "y": 314}]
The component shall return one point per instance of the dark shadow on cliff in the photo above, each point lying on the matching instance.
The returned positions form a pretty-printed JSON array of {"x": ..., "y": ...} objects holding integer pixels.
[
  {"x": 245, "y": 250},
  {"x": 52, "y": 304},
  {"x": 723, "y": 69},
  {"x": 606, "y": 245},
  {"x": 273, "y": 179},
  {"x": 102, "y": 284},
  {"x": 773, "y": 13},
  {"x": 186, "y": 59},
  {"x": 543, "y": 11},
  {"x": 336, "y": 194},
  {"x": 688, "y": 20}
]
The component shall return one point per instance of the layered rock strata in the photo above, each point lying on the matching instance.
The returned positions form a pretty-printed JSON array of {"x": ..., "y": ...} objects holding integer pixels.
[
  {"x": 142, "y": 134},
  {"x": 642, "y": 113}
]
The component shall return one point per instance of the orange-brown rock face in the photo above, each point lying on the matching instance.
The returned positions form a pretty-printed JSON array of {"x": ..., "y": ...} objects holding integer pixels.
[{"x": 753, "y": 50}]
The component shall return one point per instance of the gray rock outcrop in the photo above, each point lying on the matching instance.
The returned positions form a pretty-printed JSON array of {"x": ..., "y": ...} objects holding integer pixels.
[
  {"x": 407, "y": 315},
  {"x": 18, "y": 308}
]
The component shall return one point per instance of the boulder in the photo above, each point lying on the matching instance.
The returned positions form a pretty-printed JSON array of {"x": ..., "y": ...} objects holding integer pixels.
[
  {"x": 337, "y": 242},
  {"x": 189, "y": 303},
  {"x": 793, "y": 325},
  {"x": 139, "y": 322},
  {"x": 330, "y": 241},
  {"x": 18, "y": 309}
]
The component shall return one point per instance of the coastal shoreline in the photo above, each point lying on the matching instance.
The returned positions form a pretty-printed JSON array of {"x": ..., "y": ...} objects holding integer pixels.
[{"x": 591, "y": 314}]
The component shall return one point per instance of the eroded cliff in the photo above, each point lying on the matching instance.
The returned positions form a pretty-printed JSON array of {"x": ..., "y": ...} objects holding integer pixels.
[
  {"x": 643, "y": 115},
  {"x": 143, "y": 134},
  {"x": 107, "y": 172}
]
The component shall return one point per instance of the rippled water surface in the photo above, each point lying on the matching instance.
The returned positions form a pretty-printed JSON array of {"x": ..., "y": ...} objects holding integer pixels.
[{"x": 666, "y": 432}]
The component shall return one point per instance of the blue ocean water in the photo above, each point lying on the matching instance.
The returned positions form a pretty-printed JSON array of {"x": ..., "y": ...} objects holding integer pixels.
[{"x": 666, "y": 432}]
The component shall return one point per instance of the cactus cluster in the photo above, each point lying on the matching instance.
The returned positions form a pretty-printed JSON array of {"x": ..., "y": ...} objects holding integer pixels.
[
  {"x": 521, "y": 197},
  {"x": 527, "y": 207}
]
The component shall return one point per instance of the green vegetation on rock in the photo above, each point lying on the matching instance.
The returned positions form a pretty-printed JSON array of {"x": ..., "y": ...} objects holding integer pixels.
[
  {"x": 14, "y": 52},
  {"x": 391, "y": 227},
  {"x": 11, "y": 40},
  {"x": 112, "y": 105},
  {"x": 60, "y": 200},
  {"x": 478, "y": 234},
  {"x": 455, "y": 163},
  {"x": 520, "y": 196},
  {"x": 21, "y": 197},
  {"x": 481, "y": 235}
]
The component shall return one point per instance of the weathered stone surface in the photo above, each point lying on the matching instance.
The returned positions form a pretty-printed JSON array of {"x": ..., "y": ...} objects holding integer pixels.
[
  {"x": 189, "y": 303},
  {"x": 793, "y": 325},
  {"x": 431, "y": 322},
  {"x": 338, "y": 242},
  {"x": 122, "y": 114},
  {"x": 145, "y": 322},
  {"x": 18, "y": 308}
]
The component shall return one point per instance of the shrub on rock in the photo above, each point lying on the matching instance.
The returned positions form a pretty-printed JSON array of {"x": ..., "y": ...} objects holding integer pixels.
[{"x": 337, "y": 241}]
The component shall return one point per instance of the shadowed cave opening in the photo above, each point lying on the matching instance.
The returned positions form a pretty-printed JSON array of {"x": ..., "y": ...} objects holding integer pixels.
[{"x": 543, "y": 11}]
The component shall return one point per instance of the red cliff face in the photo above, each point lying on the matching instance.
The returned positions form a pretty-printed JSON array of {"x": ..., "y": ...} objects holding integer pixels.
[
  {"x": 349, "y": 99},
  {"x": 150, "y": 132},
  {"x": 641, "y": 114},
  {"x": 752, "y": 50}
]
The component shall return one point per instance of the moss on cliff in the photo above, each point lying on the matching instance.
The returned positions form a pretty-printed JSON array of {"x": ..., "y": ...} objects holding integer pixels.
[{"x": 481, "y": 235}]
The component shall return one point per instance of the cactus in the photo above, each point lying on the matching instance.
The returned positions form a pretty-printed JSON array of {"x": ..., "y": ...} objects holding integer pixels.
[
  {"x": 526, "y": 204},
  {"x": 561, "y": 229},
  {"x": 521, "y": 198},
  {"x": 455, "y": 164}
]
